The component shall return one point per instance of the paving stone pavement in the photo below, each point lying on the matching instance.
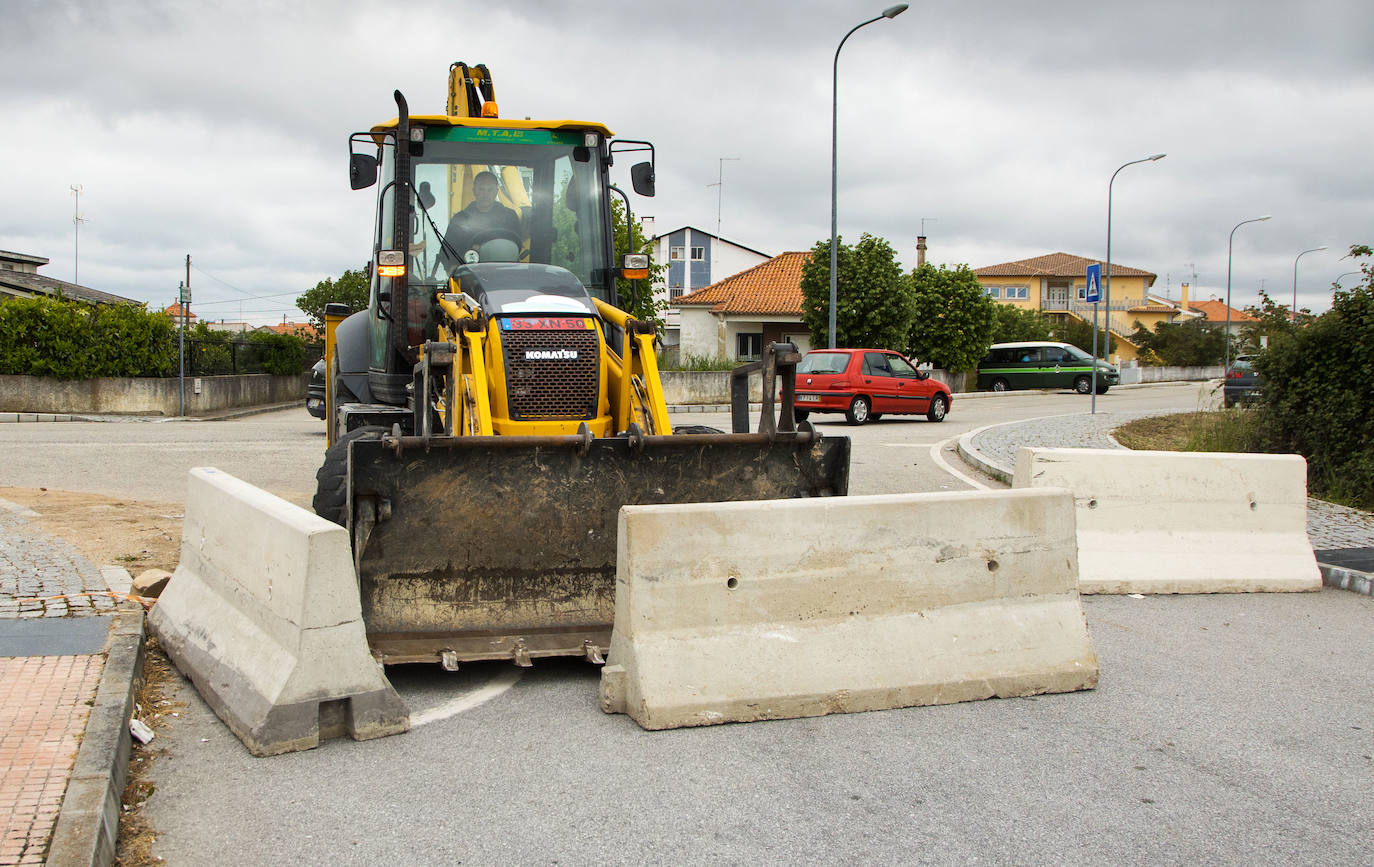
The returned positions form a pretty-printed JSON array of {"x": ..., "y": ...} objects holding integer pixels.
[
  {"x": 1329, "y": 526},
  {"x": 44, "y": 700}
]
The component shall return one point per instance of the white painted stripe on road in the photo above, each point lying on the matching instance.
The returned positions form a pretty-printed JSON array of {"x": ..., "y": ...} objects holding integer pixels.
[
  {"x": 937, "y": 456},
  {"x": 496, "y": 686}
]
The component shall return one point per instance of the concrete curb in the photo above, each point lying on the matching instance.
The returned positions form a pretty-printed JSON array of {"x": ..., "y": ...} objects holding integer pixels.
[
  {"x": 1347, "y": 579},
  {"x": 88, "y": 824}
]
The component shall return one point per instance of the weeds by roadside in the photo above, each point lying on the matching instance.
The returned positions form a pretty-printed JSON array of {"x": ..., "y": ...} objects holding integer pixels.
[{"x": 151, "y": 705}]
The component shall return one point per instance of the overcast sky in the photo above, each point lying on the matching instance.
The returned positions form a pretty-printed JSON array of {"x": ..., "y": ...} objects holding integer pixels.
[{"x": 220, "y": 129}]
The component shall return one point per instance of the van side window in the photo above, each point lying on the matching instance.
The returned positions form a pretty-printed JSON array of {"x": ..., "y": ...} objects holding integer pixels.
[{"x": 1056, "y": 355}]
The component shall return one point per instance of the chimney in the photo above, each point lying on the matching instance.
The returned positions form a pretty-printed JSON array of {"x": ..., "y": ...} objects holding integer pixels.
[
  {"x": 920, "y": 250},
  {"x": 1183, "y": 304}
]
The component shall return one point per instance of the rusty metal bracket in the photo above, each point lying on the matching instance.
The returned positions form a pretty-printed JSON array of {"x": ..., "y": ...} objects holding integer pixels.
[
  {"x": 521, "y": 654},
  {"x": 593, "y": 653}
]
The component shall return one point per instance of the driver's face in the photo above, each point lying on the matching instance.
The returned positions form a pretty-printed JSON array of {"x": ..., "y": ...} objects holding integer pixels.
[{"x": 484, "y": 192}]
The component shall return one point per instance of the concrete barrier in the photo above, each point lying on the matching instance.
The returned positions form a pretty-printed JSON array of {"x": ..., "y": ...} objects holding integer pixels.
[
  {"x": 263, "y": 616},
  {"x": 732, "y": 612},
  {"x": 1182, "y": 522}
]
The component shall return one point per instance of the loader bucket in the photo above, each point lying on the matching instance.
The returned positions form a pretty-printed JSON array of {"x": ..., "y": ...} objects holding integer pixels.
[{"x": 473, "y": 548}]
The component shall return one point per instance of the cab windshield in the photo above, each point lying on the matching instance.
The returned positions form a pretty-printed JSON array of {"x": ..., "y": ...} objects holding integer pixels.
[{"x": 494, "y": 195}]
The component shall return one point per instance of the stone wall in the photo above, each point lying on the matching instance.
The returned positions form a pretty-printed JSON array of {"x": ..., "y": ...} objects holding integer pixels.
[{"x": 117, "y": 396}]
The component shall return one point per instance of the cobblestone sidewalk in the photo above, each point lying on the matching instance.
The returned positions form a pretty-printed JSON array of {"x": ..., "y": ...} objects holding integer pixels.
[{"x": 44, "y": 700}]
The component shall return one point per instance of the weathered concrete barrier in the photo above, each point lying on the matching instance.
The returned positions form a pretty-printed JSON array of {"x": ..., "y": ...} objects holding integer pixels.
[
  {"x": 1182, "y": 522},
  {"x": 732, "y": 612},
  {"x": 147, "y": 396},
  {"x": 263, "y": 616}
]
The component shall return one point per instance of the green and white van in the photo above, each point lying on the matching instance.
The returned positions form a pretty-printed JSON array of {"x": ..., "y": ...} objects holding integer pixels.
[{"x": 1043, "y": 365}]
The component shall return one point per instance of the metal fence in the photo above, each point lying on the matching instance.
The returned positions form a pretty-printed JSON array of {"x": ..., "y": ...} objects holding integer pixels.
[{"x": 212, "y": 358}]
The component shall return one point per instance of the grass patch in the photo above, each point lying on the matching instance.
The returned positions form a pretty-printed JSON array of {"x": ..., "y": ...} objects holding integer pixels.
[
  {"x": 152, "y": 705},
  {"x": 700, "y": 362},
  {"x": 1230, "y": 430}
]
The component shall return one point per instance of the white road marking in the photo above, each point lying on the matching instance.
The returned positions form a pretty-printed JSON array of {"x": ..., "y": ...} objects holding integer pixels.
[{"x": 496, "y": 686}]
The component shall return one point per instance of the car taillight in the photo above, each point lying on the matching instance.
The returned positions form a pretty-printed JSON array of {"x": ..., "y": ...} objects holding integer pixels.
[{"x": 1233, "y": 374}]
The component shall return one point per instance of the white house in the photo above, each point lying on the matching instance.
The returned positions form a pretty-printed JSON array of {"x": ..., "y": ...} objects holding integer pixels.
[
  {"x": 738, "y": 316},
  {"x": 695, "y": 260}
]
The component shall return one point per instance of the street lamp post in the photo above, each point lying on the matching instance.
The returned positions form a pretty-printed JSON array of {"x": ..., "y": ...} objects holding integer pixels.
[
  {"x": 890, "y": 12},
  {"x": 1229, "y": 244},
  {"x": 1107, "y": 289},
  {"x": 1294, "y": 311},
  {"x": 1338, "y": 280}
]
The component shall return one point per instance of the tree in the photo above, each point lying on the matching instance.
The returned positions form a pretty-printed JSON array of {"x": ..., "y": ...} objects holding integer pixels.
[
  {"x": 638, "y": 301},
  {"x": 1080, "y": 334},
  {"x": 874, "y": 302},
  {"x": 1316, "y": 398},
  {"x": 954, "y": 318},
  {"x": 1181, "y": 344},
  {"x": 351, "y": 288},
  {"x": 1016, "y": 324},
  {"x": 1274, "y": 321}
]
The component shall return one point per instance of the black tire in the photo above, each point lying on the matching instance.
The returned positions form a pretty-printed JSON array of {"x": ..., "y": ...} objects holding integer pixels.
[
  {"x": 331, "y": 479},
  {"x": 691, "y": 429},
  {"x": 939, "y": 405},
  {"x": 1083, "y": 385},
  {"x": 800, "y": 414},
  {"x": 1000, "y": 384},
  {"x": 875, "y": 416},
  {"x": 1102, "y": 389},
  {"x": 858, "y": 411}
]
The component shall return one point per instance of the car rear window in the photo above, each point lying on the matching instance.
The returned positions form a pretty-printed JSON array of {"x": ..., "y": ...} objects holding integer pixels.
[{"x": 823, "y": 362}]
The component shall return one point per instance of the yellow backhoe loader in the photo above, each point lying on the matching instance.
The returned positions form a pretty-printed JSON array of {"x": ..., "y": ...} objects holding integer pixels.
[{"x": 495, "y": 405}]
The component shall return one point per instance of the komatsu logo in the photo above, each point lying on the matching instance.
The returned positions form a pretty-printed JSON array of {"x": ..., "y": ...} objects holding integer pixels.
[{"x": 550, "y": 354}]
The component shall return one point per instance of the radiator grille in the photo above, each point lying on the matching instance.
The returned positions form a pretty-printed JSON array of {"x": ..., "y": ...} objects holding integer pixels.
[{"x": 552, "y": 388}]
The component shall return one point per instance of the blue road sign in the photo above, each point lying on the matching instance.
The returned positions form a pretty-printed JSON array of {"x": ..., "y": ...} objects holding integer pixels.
[{"x": 1093, "y": 293}]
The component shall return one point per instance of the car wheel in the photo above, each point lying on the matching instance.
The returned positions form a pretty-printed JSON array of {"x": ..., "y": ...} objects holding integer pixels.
[
  {"x": 800, "y": 414},
  {"x": 1102, "y": 389},
  {"x": 938, "y": 407},
  {"x": 999, "y": 385},
  {"x": 874, "y": 416},
  {"x": 1083, "y": 385},
  {"x": 858, "y": 410}
]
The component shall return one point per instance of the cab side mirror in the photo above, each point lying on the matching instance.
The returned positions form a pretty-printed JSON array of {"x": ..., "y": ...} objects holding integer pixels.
[
  {"x": 362, "y": 171},
  {"x": 642, "y": 178}
]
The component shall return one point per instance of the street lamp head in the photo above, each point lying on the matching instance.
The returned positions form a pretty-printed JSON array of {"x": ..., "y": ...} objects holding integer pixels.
[
  {"x": 1315, "y": 249},
  {"x": 894, "y": 11},
  {"x": 1158, "y": 157},
  {"x": 1265, "y": 217}
]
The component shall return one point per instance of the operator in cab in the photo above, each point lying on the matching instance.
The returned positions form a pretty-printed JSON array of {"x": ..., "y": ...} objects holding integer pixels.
[{"x": 475, "y": 224}]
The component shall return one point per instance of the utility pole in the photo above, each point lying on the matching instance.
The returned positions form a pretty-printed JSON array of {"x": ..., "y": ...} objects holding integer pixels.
[{"x": 77, "y": 220}]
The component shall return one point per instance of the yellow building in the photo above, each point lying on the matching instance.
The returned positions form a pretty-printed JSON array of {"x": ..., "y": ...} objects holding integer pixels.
[{"x": 1054, "y": 285}]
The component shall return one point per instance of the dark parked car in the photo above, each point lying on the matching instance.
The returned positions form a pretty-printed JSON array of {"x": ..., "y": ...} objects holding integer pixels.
[
  {"x": 865, "y": 385},
  {"x": 1041, "y": 364},
  {"x": 314, "y": 392},
  {"x": 1242, "y": 383}
]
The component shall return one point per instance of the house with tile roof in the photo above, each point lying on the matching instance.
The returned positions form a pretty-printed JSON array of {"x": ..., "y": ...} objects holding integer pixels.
[
  {"x": 19, "y": 277},
  {"x": 737, "y": 317},
  {"x": 1055, "y": 284},
  {"x": 174, "y": 311},
  {"x": 695, "y": 259}
]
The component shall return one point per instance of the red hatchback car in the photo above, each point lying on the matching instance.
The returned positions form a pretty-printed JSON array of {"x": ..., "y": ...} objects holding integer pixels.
[{"x": 865, "y": 385}]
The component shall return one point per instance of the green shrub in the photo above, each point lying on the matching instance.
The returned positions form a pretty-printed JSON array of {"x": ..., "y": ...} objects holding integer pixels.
[
  {"x": 693, "y": 361},
  {"x": 279, "y": 354},
  {"x": 67, "y": 339},
  {"x": 1318, "y": 394}
]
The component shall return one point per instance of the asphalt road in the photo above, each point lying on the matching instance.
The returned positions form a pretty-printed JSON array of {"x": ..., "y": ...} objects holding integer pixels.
[
  {"x": 1226, "y": 729},
  {"x": 280, "y": 451}
]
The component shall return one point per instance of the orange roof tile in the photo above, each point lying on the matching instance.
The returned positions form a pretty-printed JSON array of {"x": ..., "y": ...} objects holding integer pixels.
[
  {"x": 1215, "y": 311},
  {"x": 1056, "y": 265},
  {"x": 305, "y": 329},
  {"x": 175, "y": 311},
  {"x": 768, "y": 287}
]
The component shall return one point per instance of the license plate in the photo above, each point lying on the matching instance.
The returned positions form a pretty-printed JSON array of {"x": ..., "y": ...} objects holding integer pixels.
[{"x": 808, "y": 398}]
